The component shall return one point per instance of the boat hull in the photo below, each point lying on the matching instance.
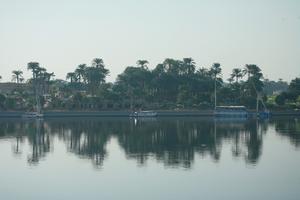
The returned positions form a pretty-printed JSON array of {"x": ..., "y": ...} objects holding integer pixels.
[
  {"x": 231, "y": 112},
  {"x": 143, "y": 114},
  {"x": 32, "y": 115}
]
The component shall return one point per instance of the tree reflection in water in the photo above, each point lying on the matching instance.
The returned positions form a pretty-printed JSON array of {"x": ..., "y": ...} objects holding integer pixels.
[
  {"x": 173, "y": 141},
  {"x": 39, "y": 139},
  {"x": 288, "y": 128}
]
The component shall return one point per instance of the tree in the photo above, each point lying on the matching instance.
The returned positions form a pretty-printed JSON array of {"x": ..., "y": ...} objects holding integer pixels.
[
  {"x": 135, "y": 84},
  {"x": 98, "y": 63},
  {"x": 280, "y": 99},
  {"x": 255, "y": 78},
  {"x": 293, "y": 91},
  {"x": 142, "y": 63},
  {"x": 40, "y": 82},
  {"x": 230, "y": 80},
  {"x": 252, "y": 88},
  {"x": 236, "y": 73},
  {"x": 80, "y": 72},
  {"x": 72, "y": 77},
  {"x": 46, "y": 80},
  {"x": 17, "y": 76},
  {"x": 48, "y": 76},
  {"x": 174, "y": 67},
  {"x": 252, "y": 70},
  {"x": 203, "y": 72},
  {"x": 215, "y": 71},
  {"x": 2, "y": 100},
  {"x": 96, "y": 74},
  {"x": 189, "y": 65},
  {"x": 34, "y": 67},
  {"x": 295, "y": 86}
]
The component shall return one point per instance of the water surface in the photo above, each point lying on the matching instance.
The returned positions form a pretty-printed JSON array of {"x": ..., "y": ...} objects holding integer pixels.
[{"x": 163, "y": 158}]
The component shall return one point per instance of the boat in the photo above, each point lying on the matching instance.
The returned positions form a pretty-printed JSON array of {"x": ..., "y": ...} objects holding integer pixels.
[
  {"x": 264, "y": 114},
  {"x": 144, "y": 114},
  {"x": 32, "y": 115},
  {"x": 231, "y": 111}
]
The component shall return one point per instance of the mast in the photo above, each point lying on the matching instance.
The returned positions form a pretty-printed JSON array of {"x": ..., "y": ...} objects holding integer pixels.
[
  {"x": 215, "y": 92},
  {"x": 38, "y": 92},
  {"x": 257, "y": 102}
]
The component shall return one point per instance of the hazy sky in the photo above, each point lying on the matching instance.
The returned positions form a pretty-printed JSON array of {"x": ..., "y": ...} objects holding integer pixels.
[{"x": 62, "y": 34}]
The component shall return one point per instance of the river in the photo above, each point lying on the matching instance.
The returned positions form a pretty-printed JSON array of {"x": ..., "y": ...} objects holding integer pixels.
[{"x": 153, "y": 158}]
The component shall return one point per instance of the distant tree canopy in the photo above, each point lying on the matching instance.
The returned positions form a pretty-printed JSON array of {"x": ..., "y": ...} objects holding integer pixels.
[
  {"x": 292, "y": 94},
  {"x": 275, "y": 87},
  {"x": 171, "y": 84},
  {"x": 17, "y": 76}
]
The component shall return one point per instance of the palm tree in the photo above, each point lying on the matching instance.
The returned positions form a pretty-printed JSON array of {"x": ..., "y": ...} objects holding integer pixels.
[
  {"x": 40, "y": 72},
  {"x": 215, "y": 71},
  {"x": 252, "y": 70},
  {"x": 236, "y": 73},
  {"x": 142, "y": 63},
  {"x": 33, "y": 66},
  {"x": 189, "y": 65},
  {"x": 204, "y": 72},
  {"x": 80, "y": 72},
  {"x": 72, "y": 76},
  {"x": 48, "y": 76},
  {"x": 95, "y": 76},
  {"x": 230, "y": 79},
  {"x": 45, "y": 80},
  {"x": 172, "y": 66},
  {"x": 98, "y": 63},
  {"x": 17, "y": 75}
]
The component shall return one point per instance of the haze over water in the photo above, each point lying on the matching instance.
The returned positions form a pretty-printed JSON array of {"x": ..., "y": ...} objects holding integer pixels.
[{"x": 163, "y": 158}]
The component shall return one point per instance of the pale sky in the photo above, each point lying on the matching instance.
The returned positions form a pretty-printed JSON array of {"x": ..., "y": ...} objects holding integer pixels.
[{"x": 61, "y": 34}]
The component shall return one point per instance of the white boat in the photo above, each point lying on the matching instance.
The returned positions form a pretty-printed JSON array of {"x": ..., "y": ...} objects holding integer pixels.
[
  {"x": 144, "y": 114},
  {"x": 32, "y": 115},
  {"x": 231, "y": 111}
]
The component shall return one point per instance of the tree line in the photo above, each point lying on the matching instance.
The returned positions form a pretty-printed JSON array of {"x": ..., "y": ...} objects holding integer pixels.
[{"x": 172, "y": 84}]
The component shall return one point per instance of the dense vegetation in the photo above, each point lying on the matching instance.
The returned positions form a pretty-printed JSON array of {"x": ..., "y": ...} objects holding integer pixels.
[{"x": 172, "y": 84}]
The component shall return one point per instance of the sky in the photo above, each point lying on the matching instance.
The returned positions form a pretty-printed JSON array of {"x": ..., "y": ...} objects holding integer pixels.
[{"x": 61, "y": 34}]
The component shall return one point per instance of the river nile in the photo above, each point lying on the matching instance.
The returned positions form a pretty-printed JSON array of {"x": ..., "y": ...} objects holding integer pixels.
[{"x": 155, "y": 158}]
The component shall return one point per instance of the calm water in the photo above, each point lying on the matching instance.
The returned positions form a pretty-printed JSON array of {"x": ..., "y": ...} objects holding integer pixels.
[{"x": 168, "y": 158}]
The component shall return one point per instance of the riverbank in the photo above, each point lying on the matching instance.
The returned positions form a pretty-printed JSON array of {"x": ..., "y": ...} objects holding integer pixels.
[
  {"x": 203, "y": 113},
  {"x": 50, "y": 114}
]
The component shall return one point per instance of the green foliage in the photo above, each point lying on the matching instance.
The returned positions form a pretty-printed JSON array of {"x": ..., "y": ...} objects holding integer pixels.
[
  {"x": 294, "y": 87},
  {"x": 10, "y": 103},
  {"x": 272, "y": 87},
  {"x": 291, "y": 95},
  {"x": 88, "y": 77},
  {"x": 280, "y": 99},
  {"x": 172, "y": 84},
  {"x": 2, "y": 101},
  {"x": 2, "y": 98},
  {"x": 17, "y": 76}
]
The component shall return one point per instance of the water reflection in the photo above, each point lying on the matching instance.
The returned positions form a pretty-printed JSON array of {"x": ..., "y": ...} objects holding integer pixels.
[
  {"x": 172, "y": 141},
  {"x": 289, "y": 128}
]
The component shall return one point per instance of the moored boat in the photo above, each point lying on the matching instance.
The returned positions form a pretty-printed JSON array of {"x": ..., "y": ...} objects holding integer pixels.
[
  {"x": 144, "y": 114},
  {"x": 32, "y": 115},
  {"x": 231, "y": 111}
]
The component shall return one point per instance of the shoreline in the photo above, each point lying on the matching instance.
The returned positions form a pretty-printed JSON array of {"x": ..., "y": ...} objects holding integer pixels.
[{"x": 204, "y": 113}]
